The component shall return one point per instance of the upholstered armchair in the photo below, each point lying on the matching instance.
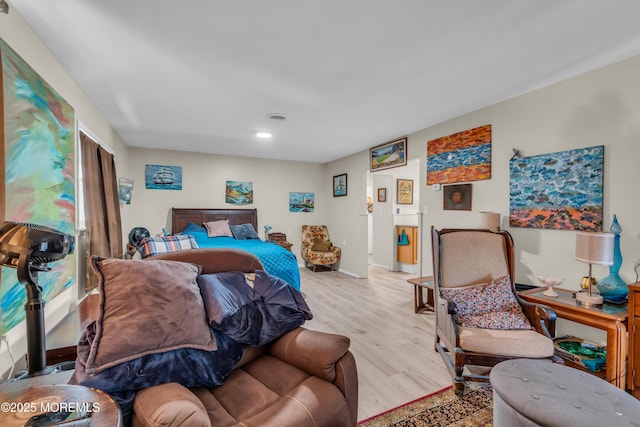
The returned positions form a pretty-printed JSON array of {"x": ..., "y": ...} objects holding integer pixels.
[
  {"x": 317, "y": 248},
  {"x": 480, "y": 319}
]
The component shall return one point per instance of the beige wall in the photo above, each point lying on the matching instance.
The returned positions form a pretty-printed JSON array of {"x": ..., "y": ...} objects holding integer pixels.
[
  {"x": 17, "y": 34},
  {"x": 203, "y": 186},
  {"x": 598, "y": 108},
  {"x": 20, "y": 37}
]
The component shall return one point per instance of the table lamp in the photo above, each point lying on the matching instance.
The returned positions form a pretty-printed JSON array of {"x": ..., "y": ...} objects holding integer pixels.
[
  {"x": 490, "y": 221},
  {"x": 29, "y": 248},
  {"x": 593, "y": 248}
]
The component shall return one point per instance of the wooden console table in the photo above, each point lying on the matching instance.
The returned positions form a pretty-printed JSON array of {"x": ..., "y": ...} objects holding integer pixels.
[
  {"x": 611, "y": 318},
  {"x": 420, "y": 283}
]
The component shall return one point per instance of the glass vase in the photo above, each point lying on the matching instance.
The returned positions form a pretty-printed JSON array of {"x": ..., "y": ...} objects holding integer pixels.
[{"x": 612, "y": 287}]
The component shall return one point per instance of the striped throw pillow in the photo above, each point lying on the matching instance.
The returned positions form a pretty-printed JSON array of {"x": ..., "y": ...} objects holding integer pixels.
[{"x": 152, "y": 246}]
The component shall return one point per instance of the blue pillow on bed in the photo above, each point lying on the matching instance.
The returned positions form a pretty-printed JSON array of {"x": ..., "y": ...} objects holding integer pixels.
[
  {"x": 244, "y": 232},
  {"x": 193, "y": 228}
]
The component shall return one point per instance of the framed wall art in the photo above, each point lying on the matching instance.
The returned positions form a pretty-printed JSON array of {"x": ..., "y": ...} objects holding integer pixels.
[
  {"x": 163, "y": 177},
  {"x": 301, "y": 202},
  {"x": 462, "y": 157},
  {"x": 340, "y": 185},
  {"x": 457, "y": 197},
  {"x": 389, "y": 155},
  {"x": 561, "y": 190},
  {"x": 239, "y": 192},
  {"x": 405, "y": 191},
  {"x": 382, "y": 194}
]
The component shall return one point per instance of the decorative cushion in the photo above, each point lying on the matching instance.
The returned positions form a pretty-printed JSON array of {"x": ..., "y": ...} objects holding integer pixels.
[
  {"x": 244, "y": 232},
  {"x": 489, "y": 305},
  {"x": 146, "y": 308},
  {"x": 218, "y": 228},
  {"x": 321, "y": 245},
  {"x": 252, "y": 309},
  {"x": 193, "y": 228},
  {"x": 151, "y": 246}
]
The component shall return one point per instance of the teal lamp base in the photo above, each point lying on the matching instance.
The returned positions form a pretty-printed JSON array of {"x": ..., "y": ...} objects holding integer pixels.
[{"x": 613, "y": 288}]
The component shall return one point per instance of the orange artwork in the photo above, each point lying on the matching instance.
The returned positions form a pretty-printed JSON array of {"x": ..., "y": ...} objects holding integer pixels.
[{"x": 462, "y": 157}]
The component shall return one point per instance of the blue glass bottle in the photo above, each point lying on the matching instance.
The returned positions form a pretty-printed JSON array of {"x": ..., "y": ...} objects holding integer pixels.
[{"x": 612, "y": 287}]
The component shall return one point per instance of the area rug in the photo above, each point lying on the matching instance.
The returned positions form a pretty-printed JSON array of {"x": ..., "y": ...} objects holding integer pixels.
[{"x": 442, "y": 408}]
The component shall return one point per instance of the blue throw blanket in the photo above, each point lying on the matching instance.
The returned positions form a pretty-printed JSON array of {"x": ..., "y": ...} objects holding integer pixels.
[{"x": 275, "y": 259}]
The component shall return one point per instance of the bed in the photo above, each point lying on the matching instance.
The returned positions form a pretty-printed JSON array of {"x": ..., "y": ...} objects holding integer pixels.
[{"x": 275, "y": 259}]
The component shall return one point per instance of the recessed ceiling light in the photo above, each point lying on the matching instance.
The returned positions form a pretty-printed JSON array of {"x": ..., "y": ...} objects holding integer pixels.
[
  {"x": 264, "y": 135},
  {"x": 277, "y": 116}
]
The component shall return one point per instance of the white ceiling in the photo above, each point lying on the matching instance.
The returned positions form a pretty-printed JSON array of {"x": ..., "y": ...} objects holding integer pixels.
[{"x": 202, "y": 75}]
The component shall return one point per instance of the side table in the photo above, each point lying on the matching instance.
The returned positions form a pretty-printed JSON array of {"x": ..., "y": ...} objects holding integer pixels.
[
  {"x": 610, "y": 317},
  {"x": 285, "y": 245},
  {"x": 420, "y": 283},
  {"x": 24, "y": 399},
  {"x": 279, "y": 239}
]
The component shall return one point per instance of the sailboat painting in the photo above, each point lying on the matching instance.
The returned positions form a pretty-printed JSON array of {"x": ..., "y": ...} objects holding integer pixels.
[
  {"x": 239, "y": 193},
  {"x": 161, "y": 177}
]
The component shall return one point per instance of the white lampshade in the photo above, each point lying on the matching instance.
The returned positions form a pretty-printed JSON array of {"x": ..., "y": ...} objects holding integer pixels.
[
  {"x": 595, "y": 248},
  {"x": 490, "y": 221}
]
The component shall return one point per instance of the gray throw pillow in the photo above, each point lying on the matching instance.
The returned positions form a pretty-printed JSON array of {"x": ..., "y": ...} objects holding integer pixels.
[{"x": 244, "y": 232}]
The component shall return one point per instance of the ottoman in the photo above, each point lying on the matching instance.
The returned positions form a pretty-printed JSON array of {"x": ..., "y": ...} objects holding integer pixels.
[{"x": 531, "y": 392}]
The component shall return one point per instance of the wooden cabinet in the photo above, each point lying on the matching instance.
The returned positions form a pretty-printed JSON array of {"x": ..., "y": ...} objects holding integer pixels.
[
  {"x": 633, "y": 368},
  {"x": 280, "y": 239},
  {"x": 408, "y": 253}
]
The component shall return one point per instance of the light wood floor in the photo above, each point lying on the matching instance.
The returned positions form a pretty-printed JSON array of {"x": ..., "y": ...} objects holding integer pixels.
[{"x": 392, "y": 345}]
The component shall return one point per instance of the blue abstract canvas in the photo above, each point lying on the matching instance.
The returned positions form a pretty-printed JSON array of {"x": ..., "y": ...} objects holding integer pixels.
[{"x": 560, "y": 190}]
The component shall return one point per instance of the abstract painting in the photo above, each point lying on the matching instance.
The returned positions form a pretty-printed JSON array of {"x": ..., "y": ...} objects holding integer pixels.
[
  {"x": 560, "y": 190},
  {"x": 301, "y": 202},
  {"x": 239, "y": 193},
  {"x": 461, "y": 157},
  {"x": 37, "y": 134},
  {"x": 125, "y": 190},
  {"x": 163, "y": 177}
]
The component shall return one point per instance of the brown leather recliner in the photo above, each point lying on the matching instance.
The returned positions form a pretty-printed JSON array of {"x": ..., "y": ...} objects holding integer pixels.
[{"x": 304, "y": 378}]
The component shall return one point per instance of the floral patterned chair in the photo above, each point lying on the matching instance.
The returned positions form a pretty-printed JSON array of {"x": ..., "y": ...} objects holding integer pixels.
[{"x": 317, "y": 249}]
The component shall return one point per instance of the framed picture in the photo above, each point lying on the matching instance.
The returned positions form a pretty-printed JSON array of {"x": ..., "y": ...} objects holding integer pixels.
[
  {"x": 405, "y": 191},
  {"x": 340, "y": 185},
  {"x": 163, "y": 177},
  {"x": 389, "y": 155},
  {"x": 457, "y": 197},
  {"x": 239, "y": 192},
  {"x": 301, "y": 202},
  {"x": 382, "y": 194}
]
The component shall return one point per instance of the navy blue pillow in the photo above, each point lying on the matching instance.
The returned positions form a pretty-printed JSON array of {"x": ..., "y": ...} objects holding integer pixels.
[
  {"x": 252, "y": 315},
  {"x": 244, "y": 232}
]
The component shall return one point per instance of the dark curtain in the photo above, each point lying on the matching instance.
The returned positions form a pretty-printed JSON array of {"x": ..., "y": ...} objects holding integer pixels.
[{"x": 102, "y": 207}]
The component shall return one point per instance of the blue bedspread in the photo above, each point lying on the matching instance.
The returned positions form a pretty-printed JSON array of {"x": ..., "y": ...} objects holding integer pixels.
[{"x": 276, "y": 260}]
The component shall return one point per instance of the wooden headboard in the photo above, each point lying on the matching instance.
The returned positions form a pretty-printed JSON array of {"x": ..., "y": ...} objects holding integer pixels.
[{"x": 181, "y": 217}]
